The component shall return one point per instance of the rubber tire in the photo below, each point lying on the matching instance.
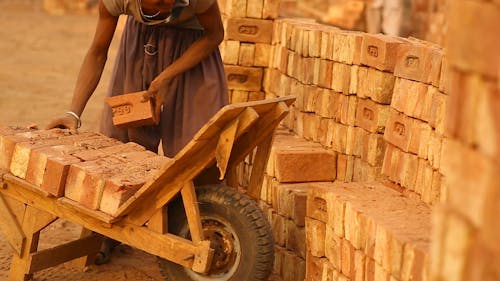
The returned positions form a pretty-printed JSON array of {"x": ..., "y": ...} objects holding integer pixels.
[{"x": 246, "y": 219}]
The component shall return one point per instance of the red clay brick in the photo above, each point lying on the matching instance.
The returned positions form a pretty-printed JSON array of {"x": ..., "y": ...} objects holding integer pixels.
[
  {"x": 292, "y": 201},
  {"x": 7, "y": 144},
  {"x": 398, "y": 131},
  {"x": 412, "y": 98},
  {"x": 74, "y": 186},
  {"x": 131, "y": 110},
  {"x": 121, "y": 186},
  {"x": 380, "y": 51},
  {"x": 249, "y": 30},
  {"x": 371, "y": 116},
  {"x": 375, "y": 84},
  {"x": 314, "y": 268},
  {"x": 106, "y": 147},
  {"x": 333, "y": 248},
  {"x": 317, "y": 204},
  {"x": 62, "y": 149},
  {"x": 418, "y": 62},
  {"x": 244, "y": 78},
  {"x": 295, "y": 238},
  {"x": 347, "y": 261},
  {"x": 22, "y": 151},
  {"x": 305, "y": 165}
]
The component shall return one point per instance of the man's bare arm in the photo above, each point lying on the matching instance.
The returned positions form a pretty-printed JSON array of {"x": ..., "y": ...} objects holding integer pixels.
[{"x": 91, "y": 69}]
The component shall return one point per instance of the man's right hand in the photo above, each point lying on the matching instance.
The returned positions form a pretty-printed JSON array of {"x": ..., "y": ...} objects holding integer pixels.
[{"x": 64, "y": 122}]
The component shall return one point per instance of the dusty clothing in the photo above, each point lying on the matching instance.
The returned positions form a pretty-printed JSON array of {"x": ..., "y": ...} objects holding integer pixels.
[
  {"x": 190, "y": 101},
  {"x": 185, "y": 19}
]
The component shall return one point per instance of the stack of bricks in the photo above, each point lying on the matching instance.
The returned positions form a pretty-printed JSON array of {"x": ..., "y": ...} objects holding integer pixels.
[
  {"x": 293, "y": 164},
  {"x": 366, "y": 231},
  {"x": 97, "y": 172},
  {"x": 466, "y": 227},
  {"x": 246, "y": 49},
  {"x": 343, "y": 96},
  {"x": 356, "y": 231},
  {"x": 356, "y": 95},
  {"x": 415, "y": 125}
]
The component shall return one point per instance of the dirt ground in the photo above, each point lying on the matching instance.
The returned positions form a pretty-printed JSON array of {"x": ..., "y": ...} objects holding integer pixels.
[{"x": 40, "y": 56}]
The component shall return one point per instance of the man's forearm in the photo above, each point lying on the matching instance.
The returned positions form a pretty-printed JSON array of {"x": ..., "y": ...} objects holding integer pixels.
[{"x": 88, "y": 79}]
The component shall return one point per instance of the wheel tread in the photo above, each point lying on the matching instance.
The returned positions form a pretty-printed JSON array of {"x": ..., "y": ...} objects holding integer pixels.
[{"x": 247, "y": 207}]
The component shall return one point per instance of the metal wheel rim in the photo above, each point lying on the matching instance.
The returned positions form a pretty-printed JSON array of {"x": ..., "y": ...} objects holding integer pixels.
[{"x": 235, "y": 246}]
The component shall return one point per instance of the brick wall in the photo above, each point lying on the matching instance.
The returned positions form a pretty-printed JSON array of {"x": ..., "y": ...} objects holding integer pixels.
[
  {"x": 370, "y": 108},
  {"x": 466, "y": 245}
]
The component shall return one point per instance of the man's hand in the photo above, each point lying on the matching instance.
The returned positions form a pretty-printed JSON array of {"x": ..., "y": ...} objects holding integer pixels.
[
  {"x": 155, "y": 94},
  {"x": 64, "y": 122},
  {"x": 160, "y": 87}
]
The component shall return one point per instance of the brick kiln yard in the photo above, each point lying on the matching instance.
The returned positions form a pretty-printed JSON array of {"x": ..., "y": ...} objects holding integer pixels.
[
  {"x": 368, "y": 107},
  {"x": 40, "y": 62}
]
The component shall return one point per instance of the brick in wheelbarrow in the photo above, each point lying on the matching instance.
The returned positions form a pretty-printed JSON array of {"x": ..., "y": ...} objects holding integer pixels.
[
  {"x": 36, "y": 139},
  {"x": 95, "y": 162},
  {"x": 24, "y": 151},
  {"x": 92, "y": 190},
  {"x": 9, "y": 136},
  {"x": 119, "y": 188},
  {"x": 40, "y": 157},
  {"x": 48, "y": 166},
  {"x": 109, "y": 147},
  {"x": 81, "y": 173},
  {"x": 87, "y": 181}
]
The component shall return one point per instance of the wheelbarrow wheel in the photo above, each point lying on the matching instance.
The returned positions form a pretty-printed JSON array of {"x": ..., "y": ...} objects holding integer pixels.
[{"x": 239, "y": 234}]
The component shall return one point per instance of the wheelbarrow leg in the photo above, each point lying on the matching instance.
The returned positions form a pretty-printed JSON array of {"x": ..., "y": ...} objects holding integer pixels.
[
  {"x": 85, "y": 261},
  {"x": 34, "y": 221},
  {"x": 159, "y": 221}
]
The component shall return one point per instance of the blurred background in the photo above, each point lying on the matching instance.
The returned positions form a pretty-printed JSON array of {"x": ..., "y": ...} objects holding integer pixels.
[{"x": 43, "y": 43}]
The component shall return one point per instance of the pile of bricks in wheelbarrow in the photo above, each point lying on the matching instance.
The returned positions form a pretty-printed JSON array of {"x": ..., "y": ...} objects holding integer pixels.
[{"x": 98, "y": 172}]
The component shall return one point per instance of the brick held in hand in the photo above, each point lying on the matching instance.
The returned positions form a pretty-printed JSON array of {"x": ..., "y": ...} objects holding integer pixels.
[{"x": 131, "y": 110}]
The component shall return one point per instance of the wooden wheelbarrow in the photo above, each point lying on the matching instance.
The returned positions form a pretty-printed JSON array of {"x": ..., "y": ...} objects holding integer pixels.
[{"x": 219, "y": 234}]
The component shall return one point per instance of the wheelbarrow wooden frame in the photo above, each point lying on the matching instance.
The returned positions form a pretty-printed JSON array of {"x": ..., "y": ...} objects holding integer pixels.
[{"x": 226, "y": 140}]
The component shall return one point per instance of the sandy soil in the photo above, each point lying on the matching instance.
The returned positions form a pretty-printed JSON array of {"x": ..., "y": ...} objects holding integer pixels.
[{"x": 40, "y": 56}]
